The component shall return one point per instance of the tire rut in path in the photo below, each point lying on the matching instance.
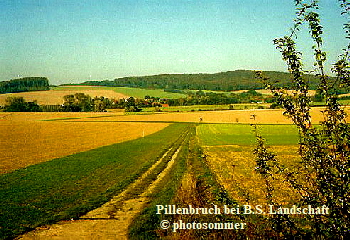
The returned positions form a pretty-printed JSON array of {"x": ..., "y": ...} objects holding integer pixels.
[{"x": 111, "y": 220}]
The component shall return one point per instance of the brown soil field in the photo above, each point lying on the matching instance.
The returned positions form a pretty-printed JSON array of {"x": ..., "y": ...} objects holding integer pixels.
[
  {"x": 25, "y": 140},
  {"x": 54, "y": 97}
]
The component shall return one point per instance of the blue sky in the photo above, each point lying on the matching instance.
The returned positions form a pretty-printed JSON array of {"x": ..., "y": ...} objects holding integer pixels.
[{"x": 70, "y": 41}]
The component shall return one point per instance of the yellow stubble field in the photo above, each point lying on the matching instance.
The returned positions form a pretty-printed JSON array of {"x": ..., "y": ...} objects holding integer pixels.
[
  {"x": 234, "y": 165},
  {"x": 26, "y": 139},
  {"x": 234, "y": 168},
  {"x": 258, "y": 116}
]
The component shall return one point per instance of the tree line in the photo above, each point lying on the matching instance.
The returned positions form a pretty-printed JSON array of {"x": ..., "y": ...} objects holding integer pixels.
[
  {"x": 223, "y": 81},
  {"x": 80, "y": 102},
  {"x": 24, "y": 85}
]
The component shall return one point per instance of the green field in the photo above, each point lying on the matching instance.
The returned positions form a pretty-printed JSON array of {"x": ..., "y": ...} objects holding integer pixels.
[
  {"x": 67, "y": 187},
  {"x": 241, "y": 134},
  {"x": 134, "y": 92}
]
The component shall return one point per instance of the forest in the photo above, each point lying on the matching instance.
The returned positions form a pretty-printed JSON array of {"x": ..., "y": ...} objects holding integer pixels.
[
  {"x": 223, "y": 81},
  {"x": 24, "y": 85}
]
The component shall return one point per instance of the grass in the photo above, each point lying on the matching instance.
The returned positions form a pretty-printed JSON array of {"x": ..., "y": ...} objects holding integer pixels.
[
  {"x": 242, "y": 134},
  {"x": 146, "y": 224},
  {"x": 344, "y": 102},
  {"x": 134, "y": 92},
  {"x": 68, "y": 187},
  {"x": 189, "y": 182}
]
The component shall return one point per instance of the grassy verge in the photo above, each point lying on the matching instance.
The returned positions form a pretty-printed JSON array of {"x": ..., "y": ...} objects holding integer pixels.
[
  {"x": 145, "y": 226},
  {"x": 67, "y": 187},
  {"x": 154, "y": 174},
  {"x": 200, "y": 189},
  {"x": 189, "y": 183}
]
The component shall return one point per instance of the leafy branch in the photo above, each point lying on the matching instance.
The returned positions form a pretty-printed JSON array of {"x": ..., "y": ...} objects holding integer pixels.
[{"x": 324, "y": 149}]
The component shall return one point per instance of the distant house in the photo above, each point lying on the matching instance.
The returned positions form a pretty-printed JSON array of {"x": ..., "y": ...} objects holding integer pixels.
[{"x": 165, "y": 105}]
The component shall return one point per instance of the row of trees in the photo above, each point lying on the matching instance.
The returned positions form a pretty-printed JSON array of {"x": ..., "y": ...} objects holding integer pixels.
[
  {"x": 18, "y": 104},
  {"x": 24, "y": 85},
  {"x": 81, "y": 102},
  {"x": 78, "y": 102},
  {"x": 212, "y": 98}
]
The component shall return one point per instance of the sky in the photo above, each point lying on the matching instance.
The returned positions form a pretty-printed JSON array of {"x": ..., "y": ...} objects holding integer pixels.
[{"x": 71, "y": 41}]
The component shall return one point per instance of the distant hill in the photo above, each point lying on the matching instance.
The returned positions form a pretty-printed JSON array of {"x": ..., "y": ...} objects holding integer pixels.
[
  {"x": 223, "y": 81},
  {"x": 24, "y": 85}
]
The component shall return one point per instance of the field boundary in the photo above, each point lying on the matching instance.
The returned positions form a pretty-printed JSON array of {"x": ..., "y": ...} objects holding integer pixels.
[
  {"x": 119, "y": 211},
  {"x": 69, "y": 187}
]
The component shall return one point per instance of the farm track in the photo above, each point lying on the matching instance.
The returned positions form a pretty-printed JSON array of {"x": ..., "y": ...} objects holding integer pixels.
[{"x": 111, "y": 220}]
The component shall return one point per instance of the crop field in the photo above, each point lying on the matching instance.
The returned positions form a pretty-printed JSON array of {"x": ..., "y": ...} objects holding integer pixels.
[
  {"x": 249, "y": 116},
  {"x": 127, "y": 91},
  {"x": 268, "y": 92},
  {"x": 90, "y": 167},
  {"x": 55, "y": 97},
  {"x": 66, "y": 187},
  {"x": 344, "y": 102},
  {"x": 229, "y": 150},
  {"x": 242, "y": 134},
  {"x": 25, "y": 140}
]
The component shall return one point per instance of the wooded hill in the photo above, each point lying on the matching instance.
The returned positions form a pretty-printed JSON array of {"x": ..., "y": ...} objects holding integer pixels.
[
  {"x": 223, "y": 81},
  {"x": 24, "y": 85}
]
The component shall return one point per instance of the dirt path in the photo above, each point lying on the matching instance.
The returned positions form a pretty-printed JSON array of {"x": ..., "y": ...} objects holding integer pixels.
[{"x": 111, "y": 220}]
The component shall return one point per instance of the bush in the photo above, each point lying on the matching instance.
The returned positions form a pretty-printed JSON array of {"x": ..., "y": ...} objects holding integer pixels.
[{"x": 18, "y": 104}]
